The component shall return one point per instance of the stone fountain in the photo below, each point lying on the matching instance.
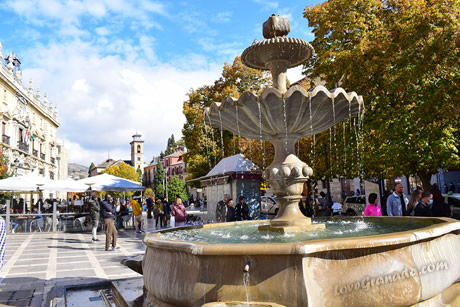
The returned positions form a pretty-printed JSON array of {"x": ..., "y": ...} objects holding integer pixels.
[
  {"x": 283, "y": 117},
  {"x": 290, "y": 261}
]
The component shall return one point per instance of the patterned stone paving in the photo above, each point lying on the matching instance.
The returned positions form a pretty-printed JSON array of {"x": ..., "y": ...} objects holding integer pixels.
[{"x": 37, "y": 262}]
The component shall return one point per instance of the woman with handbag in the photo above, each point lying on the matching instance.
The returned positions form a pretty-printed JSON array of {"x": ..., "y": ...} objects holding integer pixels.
[{"x": 179, "y": 213}]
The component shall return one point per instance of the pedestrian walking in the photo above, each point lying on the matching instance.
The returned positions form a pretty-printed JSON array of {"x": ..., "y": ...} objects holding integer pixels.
[
  {"x": 397, "y": 202},
  {"x": 108, "y": 214},
  {"x": 231, "y": 217},
  {"x": 94, "y": 209},
  {"x": 221, "y": 209},
  {"x": 242, "y": 209},
  {"x": 423, "y": 207},
  {"x": 159, "y": 213},
  {"x": 373, "y": 209},
  {"x": 179, "y": 212},
  {"x": 413, "y": 200},
  {"x": 138, "y": 219},
  {"x": 122, "y": 214},
  {"x": 167, "y": 210},
  {"x": 150, "y": 202}
]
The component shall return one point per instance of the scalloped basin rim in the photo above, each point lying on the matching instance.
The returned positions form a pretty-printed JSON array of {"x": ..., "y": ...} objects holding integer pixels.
[
  {"x": 440, "y": 227},
  {"x": 293, "y": 89}
]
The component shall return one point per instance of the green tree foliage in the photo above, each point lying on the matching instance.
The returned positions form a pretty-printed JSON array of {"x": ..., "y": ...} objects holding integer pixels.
[
  {"x": 205, "y": 149},
  {"x": 402, "y": 57},
  {"x": 159, "y": 180},
  {"x": 171, "y": 146},
  {"x": 149, "y": 193},
  {"x": 176, "y": 186},
  {"x": 123, "y": 170},
  {"x": 139, "y": 173},
  {"x": 90, "y": 168}
]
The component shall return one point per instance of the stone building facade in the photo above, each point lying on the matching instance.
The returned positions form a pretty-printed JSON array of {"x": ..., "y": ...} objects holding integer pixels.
[{"x": 29, "y": 123}]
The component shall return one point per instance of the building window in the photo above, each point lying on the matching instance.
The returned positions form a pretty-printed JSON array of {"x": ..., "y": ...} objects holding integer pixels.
[
  {"x": 138, "y": 148},
  {"x": 138, "y": 158}
]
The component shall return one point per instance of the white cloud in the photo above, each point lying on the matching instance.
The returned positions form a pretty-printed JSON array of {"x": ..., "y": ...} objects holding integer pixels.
[
  {"x": 80, "y": 85},
  {"x": 103, "y": 100},
  {"x": 222, "y": 17}
]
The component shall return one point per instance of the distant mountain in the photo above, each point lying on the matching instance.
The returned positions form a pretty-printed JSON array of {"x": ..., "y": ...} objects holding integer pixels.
[{"x": 77, "y": 171}]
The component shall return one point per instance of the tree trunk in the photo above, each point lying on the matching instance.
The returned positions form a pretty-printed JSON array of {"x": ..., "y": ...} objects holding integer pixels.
[{"x": 425, "y": 177}]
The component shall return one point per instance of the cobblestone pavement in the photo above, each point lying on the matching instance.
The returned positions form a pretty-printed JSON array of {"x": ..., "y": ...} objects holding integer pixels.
[{"x": 37, "y": 262}]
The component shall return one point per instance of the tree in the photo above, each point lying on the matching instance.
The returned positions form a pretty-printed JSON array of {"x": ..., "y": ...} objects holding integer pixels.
[
  {"x": 139, "y": 174},
  {"x": 122, "y": 170},
  {"x": 402, "y": 56},
  {"x": 149, "y": 193},
  {"x": 206, "y": 145},
  {"x": 177, "y": 186},
  {"x": 4, "y": 162},
  {"x": 171, "y": 146},
  {"x": 159, "y": 179},
  {"x": 90, "y": 168}
]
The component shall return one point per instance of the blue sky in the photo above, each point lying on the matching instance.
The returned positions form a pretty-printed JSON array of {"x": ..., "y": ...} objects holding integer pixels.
[{"x": 114, "y": 67}]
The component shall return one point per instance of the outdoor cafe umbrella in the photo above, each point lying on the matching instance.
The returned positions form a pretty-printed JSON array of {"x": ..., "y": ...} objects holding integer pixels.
[
  {"x": 106, "y": 182},
  {"x": 31, "y": 182}
]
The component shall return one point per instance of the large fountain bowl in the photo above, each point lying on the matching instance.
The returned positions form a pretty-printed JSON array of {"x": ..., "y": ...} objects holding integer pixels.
[
  {"x": 395, "y": 269},
  {"x": 294, "y": 114}
]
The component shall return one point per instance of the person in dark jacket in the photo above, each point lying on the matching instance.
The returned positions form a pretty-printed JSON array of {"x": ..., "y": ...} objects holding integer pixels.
[
  {"x": 221, "y": 209},
  {"x": 94, "y": 209},
  {"x": 305, "y": 206},
  {"x": 231, "y": 217},
  {"x": 108, "y": 214},
  {"x": 423, "y": 207},
  {"x": 242, "y": 209}
]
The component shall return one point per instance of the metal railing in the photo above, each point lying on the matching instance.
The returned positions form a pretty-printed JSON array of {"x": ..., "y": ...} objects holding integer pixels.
[
  {"x": 53, "y": 160},
  {"x": 6, "y": 139},
  {"x": 35, "y": 153},
  {"x": 23, "y": 146},
  {"x": 42, "y": 156}
]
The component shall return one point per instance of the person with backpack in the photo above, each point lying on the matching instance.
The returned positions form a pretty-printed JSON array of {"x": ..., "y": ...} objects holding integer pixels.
[
  {"x": 94, "y": 209},
  {"x": 179, "y": 213}
]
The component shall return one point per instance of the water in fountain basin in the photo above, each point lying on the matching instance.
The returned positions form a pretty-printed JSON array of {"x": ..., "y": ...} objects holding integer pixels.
[{"x": 249, "y": 233}]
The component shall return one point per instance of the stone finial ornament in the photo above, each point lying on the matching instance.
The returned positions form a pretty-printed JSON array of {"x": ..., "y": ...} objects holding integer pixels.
[
  {"x": 31, "y": 88},
  {"x": 37, "y": 95},
  {"x": 276, "y": 26},
  {"x": 1, "y": 54},
  {"x": 45, "y": 98}
]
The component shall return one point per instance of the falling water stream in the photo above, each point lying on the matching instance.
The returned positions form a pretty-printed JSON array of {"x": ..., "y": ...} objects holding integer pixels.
[
  {"x": 238, "y": 127},
  {"x": 313, "y": 136},
  {"x": 262, "y": 142},
  {"x": 221, "y": 135},
  {"x": 207, "y": 138},
  {"x": 246, "y": 286},
  {"x": 285, "y": 125},
  {"x": 213, "y": 140}
]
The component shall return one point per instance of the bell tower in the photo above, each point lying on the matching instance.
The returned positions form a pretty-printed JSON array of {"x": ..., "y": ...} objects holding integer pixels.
[{"x": 137, "y": 152}]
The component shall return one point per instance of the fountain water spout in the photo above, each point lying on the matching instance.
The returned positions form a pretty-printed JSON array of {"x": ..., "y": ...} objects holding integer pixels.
[{"x": 246, "y": 267}]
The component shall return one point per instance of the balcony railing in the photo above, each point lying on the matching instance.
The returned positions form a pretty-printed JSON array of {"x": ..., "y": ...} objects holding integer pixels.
[
  {"x": 53, "y": 160},
  {"x": 6, "y": 139},
  {"x": 23, "y": 146},
  {"x": 51, "y": 175},
  {"x": 35, "y": 153},
  {"x": 42, "y": 156}
]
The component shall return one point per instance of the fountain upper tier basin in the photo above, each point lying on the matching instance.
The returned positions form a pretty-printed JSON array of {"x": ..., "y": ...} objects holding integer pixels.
[
  {"x": 292, "y": 51},
  {"x": 294, "y": 114}
]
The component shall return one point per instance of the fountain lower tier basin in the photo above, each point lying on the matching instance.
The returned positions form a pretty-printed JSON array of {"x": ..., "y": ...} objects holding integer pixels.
[{"x": 415, "y": 261}]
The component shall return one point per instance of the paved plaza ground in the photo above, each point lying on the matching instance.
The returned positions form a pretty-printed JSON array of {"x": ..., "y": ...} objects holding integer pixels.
[{"x": 37, "y": 262}]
